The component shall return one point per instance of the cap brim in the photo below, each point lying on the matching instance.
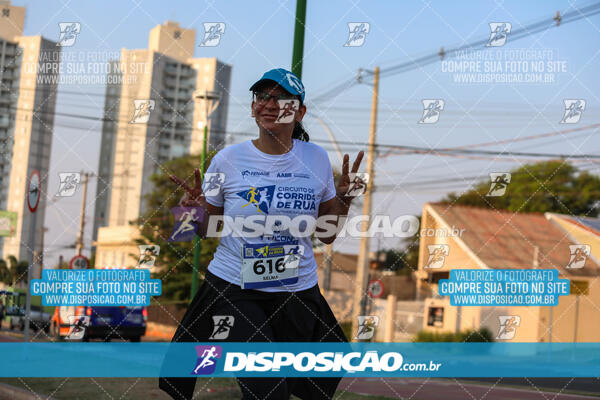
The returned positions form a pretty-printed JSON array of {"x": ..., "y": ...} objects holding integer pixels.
[{"x": 260, "y": 82}]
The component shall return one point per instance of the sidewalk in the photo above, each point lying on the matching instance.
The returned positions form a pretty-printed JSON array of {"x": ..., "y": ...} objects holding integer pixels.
[
  {"x": 8, "y": 392},
  {"x": 449, "y": 389}
]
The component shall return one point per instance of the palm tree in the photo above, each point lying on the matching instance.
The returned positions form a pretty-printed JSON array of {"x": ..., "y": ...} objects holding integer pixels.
[
  {"x": 17, "y": 269},
  {"x": 12, "y": 268},
  {"x": 4, "y": 273}
]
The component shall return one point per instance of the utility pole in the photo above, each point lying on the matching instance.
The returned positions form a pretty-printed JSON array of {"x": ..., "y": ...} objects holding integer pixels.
[
  {"x": 41, "y": 256},
  {"x": 31, "y": 266},
  {"x": 362, "y": 266},
  {"x": 34, "y": 187},
  {"x": 298, "y": 51},
  {"x": 79, "y": 245}
]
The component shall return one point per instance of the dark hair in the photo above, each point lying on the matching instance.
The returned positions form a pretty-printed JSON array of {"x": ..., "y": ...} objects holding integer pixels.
[{"x": 299, "y": 132}]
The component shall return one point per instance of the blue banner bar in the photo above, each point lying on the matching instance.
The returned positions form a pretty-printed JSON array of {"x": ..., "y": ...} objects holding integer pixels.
[
  {"x": 96, "y": 287},
  {"x": 226, "y": 359},
  {"x": 504, "y": 287}
]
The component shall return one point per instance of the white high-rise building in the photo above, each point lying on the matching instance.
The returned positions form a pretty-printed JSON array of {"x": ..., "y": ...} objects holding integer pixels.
[
  {"x": 28, "y": 82},
  {"x": 151, "y": 115}
]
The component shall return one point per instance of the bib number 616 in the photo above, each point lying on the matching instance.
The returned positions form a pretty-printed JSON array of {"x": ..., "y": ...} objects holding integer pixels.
[{"x": 260, "y": 268}]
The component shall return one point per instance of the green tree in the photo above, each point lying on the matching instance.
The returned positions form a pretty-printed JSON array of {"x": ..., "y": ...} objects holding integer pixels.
[
  {"x": 17, "y": 269},
  {"x": 547, "y": 186},
  {"x": 5, "y": 273},
  {"x": 404, "y": 261},
  {"x": 176, "y": 259}
]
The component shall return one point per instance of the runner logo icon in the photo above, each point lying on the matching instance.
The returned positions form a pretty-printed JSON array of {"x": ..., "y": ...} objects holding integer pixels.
[
  {"x": 222, "y": 325},
  {"x": 68, "y": 183},
  {"x": 499, "y": 183},
  {"x": 437, "y": 255},
  {"x": 260, "y": 197},
  {"x": 68, "y": 33},
  {"x": 579, "y": 255},
  {"x": 287, "y": 111},
  {"x": 207, "y": 359},
  {"x": 142, "y": 109},
  {"x": 508, "y": 326},
  {"x": 431, "y": 110},
  {"x": 148, "y": 254},
  {"x": 77, "y": 326},
  {"x": 573, "y": 110},
  {"x": 498, "y": 33},
  {"x": 358, "y": 33},
  {"x": 212, "y": 34},
  {"x": 366, "y": 326},
  {"x": 213, "y": 183},
  {"x": 186, "y": 223}
]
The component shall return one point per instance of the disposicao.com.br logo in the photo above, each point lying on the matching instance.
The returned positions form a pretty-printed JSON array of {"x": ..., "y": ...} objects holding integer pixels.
[{"x": 322, "y": 362}]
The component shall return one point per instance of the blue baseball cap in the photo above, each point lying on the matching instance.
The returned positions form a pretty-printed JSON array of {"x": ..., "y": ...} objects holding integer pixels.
[{"x": 284, "y": 78}]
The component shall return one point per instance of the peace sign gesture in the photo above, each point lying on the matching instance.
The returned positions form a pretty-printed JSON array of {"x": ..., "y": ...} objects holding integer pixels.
[
  {"x": 344, "y": 185},
  {"x": 194, "y": 196}
]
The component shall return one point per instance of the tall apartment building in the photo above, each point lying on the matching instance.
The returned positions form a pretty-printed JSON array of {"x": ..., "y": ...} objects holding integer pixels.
[
  {"x": 166, "y": 75},
  {"x": 28, "y": 83}
]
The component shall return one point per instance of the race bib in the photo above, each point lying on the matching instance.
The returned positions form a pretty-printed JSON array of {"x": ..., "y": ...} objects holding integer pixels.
[{"x": 270, "y": 264}]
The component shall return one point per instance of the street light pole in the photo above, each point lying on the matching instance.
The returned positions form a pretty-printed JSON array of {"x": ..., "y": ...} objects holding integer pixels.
[
  {"x": 208, "y": 97},
  {"x": 298, "y": 50}
]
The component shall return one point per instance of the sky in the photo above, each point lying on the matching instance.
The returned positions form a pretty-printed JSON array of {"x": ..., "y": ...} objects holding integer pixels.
[{"x": 258, "y": 36}]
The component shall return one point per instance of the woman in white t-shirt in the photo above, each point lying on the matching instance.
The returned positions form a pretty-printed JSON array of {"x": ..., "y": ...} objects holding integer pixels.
[{"x": 262, "y": 282}]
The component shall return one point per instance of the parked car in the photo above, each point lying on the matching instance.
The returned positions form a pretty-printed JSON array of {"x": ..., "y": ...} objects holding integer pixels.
[
  {"x": 105, "y": 323},
  {"x": 38, "y": 319}
]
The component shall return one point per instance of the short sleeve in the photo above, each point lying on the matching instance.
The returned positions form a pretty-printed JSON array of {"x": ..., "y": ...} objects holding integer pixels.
[
  {"x": 214, "y": 180},
  {"x": 329, "y": 189}
]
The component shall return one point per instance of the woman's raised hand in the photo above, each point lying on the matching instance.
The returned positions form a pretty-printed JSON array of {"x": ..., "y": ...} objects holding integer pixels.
[
  {"x": 194, "y": 196},
  {"x": 343, "y": 185}
]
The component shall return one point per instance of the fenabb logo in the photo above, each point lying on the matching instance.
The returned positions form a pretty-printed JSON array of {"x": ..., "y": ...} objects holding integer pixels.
[{"x": 247, "y": 172}]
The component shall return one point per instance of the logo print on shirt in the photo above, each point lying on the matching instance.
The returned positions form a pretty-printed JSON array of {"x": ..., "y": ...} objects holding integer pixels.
[{"x": 260, "y": 197}]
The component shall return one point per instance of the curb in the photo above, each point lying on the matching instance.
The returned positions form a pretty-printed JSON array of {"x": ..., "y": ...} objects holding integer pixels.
[{"x": 8, "y": 392}]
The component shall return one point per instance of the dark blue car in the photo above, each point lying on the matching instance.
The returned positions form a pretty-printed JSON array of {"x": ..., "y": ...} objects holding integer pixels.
[{"x": 106, "y": 323}]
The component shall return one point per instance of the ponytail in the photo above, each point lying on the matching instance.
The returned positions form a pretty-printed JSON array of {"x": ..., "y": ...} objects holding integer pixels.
[{"x": 299, "y": 132}]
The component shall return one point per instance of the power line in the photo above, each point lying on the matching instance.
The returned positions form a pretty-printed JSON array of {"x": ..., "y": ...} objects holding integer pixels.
[
  {"x": 405, "y": 148},
  {"x": 516, "y": 34},
  {"x": 514, "y": 140}
]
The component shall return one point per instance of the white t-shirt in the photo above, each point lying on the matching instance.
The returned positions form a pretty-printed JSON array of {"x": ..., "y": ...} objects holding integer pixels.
[{"x": 289, "y": 184}]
